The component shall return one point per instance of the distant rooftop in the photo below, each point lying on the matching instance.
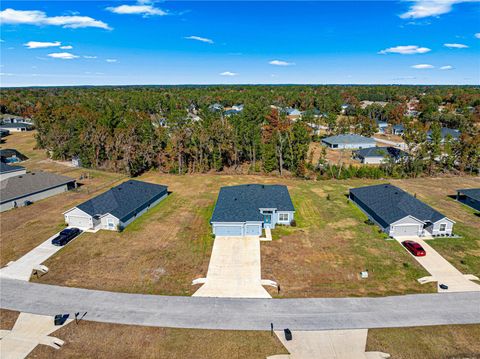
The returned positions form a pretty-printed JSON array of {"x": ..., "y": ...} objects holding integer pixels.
[
  {"x": 381, "y": 152},
  {"x": 473, "y": 193},
  {"x": 349, "y": 138},
  {"x": 4, "y": 168}
]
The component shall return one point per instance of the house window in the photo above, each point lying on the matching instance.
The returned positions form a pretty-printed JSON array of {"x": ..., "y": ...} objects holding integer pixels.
[
  {"x": 443, "y": 227},
  {"x": 283, "y": 217}
]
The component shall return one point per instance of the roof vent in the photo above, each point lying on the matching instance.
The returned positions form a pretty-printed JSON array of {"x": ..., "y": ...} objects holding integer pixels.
[{"x": 20, "y": 176}]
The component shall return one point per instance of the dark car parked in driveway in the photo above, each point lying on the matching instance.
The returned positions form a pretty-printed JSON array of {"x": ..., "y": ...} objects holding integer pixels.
[{"x": 65, "y": 236}]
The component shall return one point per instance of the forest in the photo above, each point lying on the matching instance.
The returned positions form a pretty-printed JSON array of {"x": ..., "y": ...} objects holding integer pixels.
[{"x": 175, "y": 130}]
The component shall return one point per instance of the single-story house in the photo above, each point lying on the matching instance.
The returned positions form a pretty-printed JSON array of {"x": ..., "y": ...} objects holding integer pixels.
[
  {"x": 349, "y": 142},
  {"x": 231, "y": 112},
  {"x": 27, "y": 188},
  {"x": 7, "y": 118},
  {"x": 398, "y": 213},
  {"x": 7, "y": 171},
  {"x": 116, "y": 208},
  {"x": 445, "y": 132},
  {"x": 9, "y": 155},
  {"x": 377, "y": 155},
  {"x": 245, "y": 209},
  {"x": 382, "y": 126},
  {"x": 398, "y": 129},
  {"x": 365, "y": 104},
  {"x": 16, "y": 127},
  {"x": 470, "y": 197},
  {"x": 215, "y": 107}
]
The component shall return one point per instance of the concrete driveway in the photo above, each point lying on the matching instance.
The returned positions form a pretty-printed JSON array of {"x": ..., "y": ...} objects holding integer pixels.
[
  {"x": 441, "y": 270},
  {"x": 22, "y": 268},
  {"x": 29, "y": 331},
  {"x": 327, "y": 344},
  {"x": 234, "y": 270}
]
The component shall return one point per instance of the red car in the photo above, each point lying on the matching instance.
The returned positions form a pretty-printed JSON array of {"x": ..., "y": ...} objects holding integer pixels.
[{"x": 414, "y": 248}]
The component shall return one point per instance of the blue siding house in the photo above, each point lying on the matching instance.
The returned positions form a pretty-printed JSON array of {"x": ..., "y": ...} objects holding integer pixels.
[{"x": 245, "y": 210}]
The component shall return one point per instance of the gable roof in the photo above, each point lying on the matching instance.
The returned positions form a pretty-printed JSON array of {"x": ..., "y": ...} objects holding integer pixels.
[
  {"x": 445, "y": 131},
  {"x": 16, "y": 125},
  {"x": 20, "y": 186},
  {"x": 120, "y": 201},
  {"x": 10, "y": 152},
  {"x": 4, "y": 168},
  {"x": 380, "y": 152},
  {"x": 473, "y": 193},
  {"x": 350, "y": 138},
  {"x": 391, "y": 204},
  {"x": 242, "y": 203}
]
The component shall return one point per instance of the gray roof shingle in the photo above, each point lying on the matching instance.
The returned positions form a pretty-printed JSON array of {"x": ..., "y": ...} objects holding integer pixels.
[
  {"x": 348, "y": 139},
  {"x": 380, "y": 152},
  {"x": 473, "y": 193},
  {"x": 122, "y": 200},
  {"x": 391, "y": 204},
  {"x": 242, "y": 203},
  {"x": 4, "y": 168},
  {"x": 20, "y": 186}
]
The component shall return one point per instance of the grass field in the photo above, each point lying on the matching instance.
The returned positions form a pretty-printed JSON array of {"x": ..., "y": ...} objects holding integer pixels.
[
  {"x": 168, "y": 247},
  {"x": 102, "y": 340}
]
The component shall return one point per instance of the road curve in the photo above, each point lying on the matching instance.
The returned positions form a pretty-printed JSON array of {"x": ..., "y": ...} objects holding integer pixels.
[{"x": 242, "y": 314}]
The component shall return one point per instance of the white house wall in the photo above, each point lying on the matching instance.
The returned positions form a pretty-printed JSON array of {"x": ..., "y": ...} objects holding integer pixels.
[
  {"x": 33, "y": 197},
  {"x": 71, "y": 215},
  {"x": 448, "y": 229}
]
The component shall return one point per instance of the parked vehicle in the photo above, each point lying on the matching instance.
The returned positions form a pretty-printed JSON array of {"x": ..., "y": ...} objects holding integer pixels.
[
  {"x": 66, "y": 236},
  {"x": 414, "y": 248},
  {"x": 288, "y": 334}
]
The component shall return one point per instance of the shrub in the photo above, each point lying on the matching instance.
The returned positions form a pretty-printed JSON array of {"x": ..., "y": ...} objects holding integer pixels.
[{"x": 293, "y": 223}]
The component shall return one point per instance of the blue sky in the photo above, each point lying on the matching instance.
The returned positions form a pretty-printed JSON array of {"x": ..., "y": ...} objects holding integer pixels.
[{"x": 322, "y": 42}]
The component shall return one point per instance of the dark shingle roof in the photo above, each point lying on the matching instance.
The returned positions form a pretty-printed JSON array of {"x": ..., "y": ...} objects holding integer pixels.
[
  {"x": 242, "y": 203},
  {"x": 473, "y": 193},
  {"x": 4, "y": 168},
  {"x": 445, "y": 131},
  {"x": 10, "y": 152},
  {"x": 122, "y": 200},
  {"x": 15, "y": 125},
  {"x": 391, "y": 203},
  {"x": 348, "y": 139},
  {"x": 26, "y": 184},
  {"x": 380, "y": 152}
]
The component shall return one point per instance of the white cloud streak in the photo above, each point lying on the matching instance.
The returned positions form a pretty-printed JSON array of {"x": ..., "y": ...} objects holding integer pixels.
[
  {"x": 228, "y": 73},
  {"x": 40, "y": 18},
  {"x": 281, "y": 63},
  {"x": 477, "y": 35},
  {"x": 66, "y": 47},
  {"x": 111, "y": 60},
  {"x": 63, "y": 55},
  {"x": 447, "y": 67},
  {"x": 41, "y": 44},
  {"x": 140, "y": 9},
  {"x": 427, "y": 8},
  {"x": 456, "y": 46},
  {"x": 405, "y": 50},
  {"x": 423, "y": 66},
  {"x": 89, "y": 57},
  {"x": 198, "y": 38}
]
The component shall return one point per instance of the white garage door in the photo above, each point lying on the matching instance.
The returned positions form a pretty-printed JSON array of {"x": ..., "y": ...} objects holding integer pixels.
[
  {"x": 252, "y": 230},
  {"x": 80, "y": 222},
  {"x": 229, "y": 230},
  {"x": 406, "y": 230}
]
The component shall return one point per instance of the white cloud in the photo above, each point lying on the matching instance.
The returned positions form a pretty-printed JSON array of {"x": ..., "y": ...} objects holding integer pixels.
[
  {"x": 426, "y": 8},
  {"x": 41, "y": 44},
  {"x": 456, "y": 46},
  {"x": 281, "y": 63},
  {"x": 405, "y": 50},
  {"x": 66, "y": 47},
  {"x": 198, "y": 38},
  {"x": 111, "y": 60},
  {"x": 145, "y": 10},
  {"x": 423, "y": 66},
  {"x": 40, "y": 18},
  {"x": 63, "y": 55},
  {"x": 89, "y": 57},
  {"x": 447, "y": 67},
  {"x": 477, "y": 35},
  {"x": 228, "y": 73}
]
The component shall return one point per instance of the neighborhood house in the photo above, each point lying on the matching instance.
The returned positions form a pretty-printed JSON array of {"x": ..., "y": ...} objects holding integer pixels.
[
  {"x": 245, "y": 210},
  {"x": 398, "y": 213},
  {"x": 470, "y": 197},
  {"x": 116, "y": 208},
  {"x": 27, "y": 188},
  {"x": 377, "y": 155},
  {"x": 348, "y": 142}
]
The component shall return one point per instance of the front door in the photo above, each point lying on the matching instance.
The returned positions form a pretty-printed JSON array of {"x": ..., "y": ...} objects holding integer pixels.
[{"x": 267, "y": 220}]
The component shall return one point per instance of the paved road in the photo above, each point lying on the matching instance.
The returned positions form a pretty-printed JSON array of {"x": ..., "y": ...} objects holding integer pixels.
[{"x": 243, "y": 314}]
